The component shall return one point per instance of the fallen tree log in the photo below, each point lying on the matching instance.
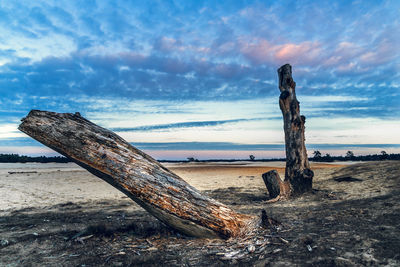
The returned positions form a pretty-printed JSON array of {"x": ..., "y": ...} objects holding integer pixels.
[
  {"x": 298, "y": 175},
  {"x": 159, "y": 191}
]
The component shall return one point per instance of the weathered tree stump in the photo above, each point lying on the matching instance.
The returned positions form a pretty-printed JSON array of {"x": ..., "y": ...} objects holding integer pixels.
[
  {"x": 298, "y": 175},
  {"x": 159, "y": 191},
  {"x": 272, "y": 181}
]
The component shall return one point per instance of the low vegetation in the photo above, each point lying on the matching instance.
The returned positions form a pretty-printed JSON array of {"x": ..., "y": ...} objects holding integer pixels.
[
  {"x": 350, "y": 157},
  {"x": 15, "y": 158}
]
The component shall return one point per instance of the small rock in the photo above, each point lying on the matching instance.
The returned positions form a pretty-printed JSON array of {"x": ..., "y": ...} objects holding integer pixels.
[
  {"x": 251, "y": 248},
  {"x": 4, "y": 242}
]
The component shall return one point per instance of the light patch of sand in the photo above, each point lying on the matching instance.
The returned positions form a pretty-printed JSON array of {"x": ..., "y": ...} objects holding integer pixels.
[
  {"x": 55, "y": 183},
  {"x": 210, "y": 176}
]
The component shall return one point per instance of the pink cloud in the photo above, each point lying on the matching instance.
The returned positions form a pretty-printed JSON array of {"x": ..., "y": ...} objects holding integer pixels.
[
  {"x": 348, "y": 49},
  {"x": 385, "y": 52},
  {"x": 263, "y": 51},
  {"x": 344, "y": 56},
  {"x": 303, "y": 53},
  {"x": 259, "y": 52},
  {"x": 351, "y": 66}
]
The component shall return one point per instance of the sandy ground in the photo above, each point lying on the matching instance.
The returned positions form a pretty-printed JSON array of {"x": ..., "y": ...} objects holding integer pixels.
[
  {"x": 46, "y": 184},
  {"x": 60, "y": 215}
]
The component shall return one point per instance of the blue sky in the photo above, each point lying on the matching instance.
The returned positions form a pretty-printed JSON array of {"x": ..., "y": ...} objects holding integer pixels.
[{"x": 198, "y": 78}]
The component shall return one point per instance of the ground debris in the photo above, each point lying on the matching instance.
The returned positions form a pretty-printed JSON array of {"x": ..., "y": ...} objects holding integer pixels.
[
  {"x": 83, "y": 238},
  {"x": 283, "y": 240},
  {"x": 359, "y": 227},
  {"x": 246, "y": 247},
  {"x": 22, "y": 172}
]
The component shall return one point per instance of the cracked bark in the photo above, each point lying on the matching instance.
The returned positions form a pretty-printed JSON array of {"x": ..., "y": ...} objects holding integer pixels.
[
  {"x": 298, "y": 175},
  {"x": 159, "y": 191}
]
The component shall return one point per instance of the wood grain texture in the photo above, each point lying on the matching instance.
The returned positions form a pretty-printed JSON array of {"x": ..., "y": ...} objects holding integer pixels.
[
  {"x": 298, "y": 172},
  {"x": 272, "y": 181},
  {"x": 158, "y": 190},
  {"x": 298, "y": 175}
]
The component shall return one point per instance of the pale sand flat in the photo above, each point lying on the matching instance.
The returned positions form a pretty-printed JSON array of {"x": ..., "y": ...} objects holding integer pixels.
[{"x": 55, "y": 183}]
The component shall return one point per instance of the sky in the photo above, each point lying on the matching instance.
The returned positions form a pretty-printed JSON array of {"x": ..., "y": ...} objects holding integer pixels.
[{"x": 198, "y": 79}]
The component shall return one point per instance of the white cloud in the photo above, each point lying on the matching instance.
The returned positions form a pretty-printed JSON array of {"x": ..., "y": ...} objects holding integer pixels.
[
  {"x": 344, "y": 130},
  {"x": 10, "y": 131},
  {"x": 331, "y": 98},
  {"x": 36, "y": 49}
]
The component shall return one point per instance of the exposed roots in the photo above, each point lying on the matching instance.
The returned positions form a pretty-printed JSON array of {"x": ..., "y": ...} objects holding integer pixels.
[{"x": 278, "y": 198}]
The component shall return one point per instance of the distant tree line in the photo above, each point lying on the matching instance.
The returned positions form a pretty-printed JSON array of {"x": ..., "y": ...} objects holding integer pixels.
[
  {"x": 14, "y": 158},
  {"x": 351, "y": 157},
  {"x": 317, "y": 156}
]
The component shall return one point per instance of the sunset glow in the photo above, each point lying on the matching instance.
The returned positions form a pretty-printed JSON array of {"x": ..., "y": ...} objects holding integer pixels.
[{"x": 184, "y": 72}]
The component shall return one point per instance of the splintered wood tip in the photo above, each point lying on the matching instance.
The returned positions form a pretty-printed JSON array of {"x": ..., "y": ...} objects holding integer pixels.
[{"x": 285, "y": 69}]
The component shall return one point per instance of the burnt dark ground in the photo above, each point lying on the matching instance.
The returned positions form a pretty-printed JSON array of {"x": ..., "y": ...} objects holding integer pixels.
[{"x": 323, "y": 228}]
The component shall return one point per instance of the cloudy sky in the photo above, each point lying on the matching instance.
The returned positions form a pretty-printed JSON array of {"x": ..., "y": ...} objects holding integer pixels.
[{"x": 198, "y": 78}]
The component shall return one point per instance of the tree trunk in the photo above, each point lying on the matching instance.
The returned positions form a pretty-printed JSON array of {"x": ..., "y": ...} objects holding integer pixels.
[
  {"x": 159, "y": 191},
  {"x": 298, "y": 175}
]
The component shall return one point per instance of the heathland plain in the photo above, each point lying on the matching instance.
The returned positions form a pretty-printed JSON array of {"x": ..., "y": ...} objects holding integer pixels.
[{"x": 59, "y": 214}]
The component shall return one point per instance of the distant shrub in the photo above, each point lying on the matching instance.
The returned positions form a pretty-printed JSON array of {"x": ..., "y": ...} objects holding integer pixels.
[{"x": 15, "y": 158}]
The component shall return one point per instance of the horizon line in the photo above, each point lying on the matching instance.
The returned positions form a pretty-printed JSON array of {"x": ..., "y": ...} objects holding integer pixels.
[{"x": 198, "y": 146}]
